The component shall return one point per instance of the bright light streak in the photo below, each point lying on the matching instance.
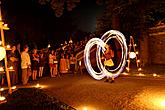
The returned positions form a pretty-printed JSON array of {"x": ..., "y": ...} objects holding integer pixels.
[{"x": 101, "y": 43}]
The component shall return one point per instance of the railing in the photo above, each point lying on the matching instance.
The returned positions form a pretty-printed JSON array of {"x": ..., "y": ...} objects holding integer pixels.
[{"x": 80, "y": 57}]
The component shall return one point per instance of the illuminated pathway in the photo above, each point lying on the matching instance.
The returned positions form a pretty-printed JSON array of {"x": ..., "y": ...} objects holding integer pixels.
[{"x": 84, "y": 93}]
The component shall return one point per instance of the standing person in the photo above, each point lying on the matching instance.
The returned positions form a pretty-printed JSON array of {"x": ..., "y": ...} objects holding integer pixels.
[
  {"x": 13, "y": 61},
  {"x": 52, "y": 57},
  {"x": 35, "y": 64},
  {"x": 72, "y": 63},
  {"x": 18, "y": 54},
  {"x": 41, "y": 63},
  {"x": 108, "y": 62},
  {"x": 63, "y": 64},
  {"x": 25, "y": 65}
]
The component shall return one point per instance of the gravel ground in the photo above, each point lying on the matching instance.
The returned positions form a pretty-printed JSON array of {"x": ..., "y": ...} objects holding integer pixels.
[{"x": 127, "y": 93}]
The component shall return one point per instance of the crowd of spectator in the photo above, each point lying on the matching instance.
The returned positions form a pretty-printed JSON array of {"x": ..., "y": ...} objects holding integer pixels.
[{"x": 31, "y": 65}]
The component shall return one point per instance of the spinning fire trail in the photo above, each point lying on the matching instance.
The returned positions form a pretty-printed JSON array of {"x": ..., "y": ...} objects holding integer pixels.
[{"x": 101, "y": 43}]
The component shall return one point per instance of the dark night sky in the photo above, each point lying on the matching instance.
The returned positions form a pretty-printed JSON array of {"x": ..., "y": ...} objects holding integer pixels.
[{"x": 31, "y": 22}]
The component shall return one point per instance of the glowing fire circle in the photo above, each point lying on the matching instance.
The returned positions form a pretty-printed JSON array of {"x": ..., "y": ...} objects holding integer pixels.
[{"x": 101, "y": 46}]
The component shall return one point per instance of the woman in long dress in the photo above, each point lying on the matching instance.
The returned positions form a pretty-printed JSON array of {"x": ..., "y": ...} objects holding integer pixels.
[{"x": 63, "y": 64}]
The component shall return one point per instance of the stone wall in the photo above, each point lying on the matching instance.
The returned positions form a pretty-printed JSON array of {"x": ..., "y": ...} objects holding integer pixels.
[{"x": 156, "y": 45}]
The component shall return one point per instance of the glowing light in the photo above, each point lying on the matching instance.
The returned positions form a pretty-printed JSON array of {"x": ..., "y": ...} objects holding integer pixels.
[
  {"x": 1, "y": 69},
  {"x": 162, "y": 103},
  {"x": 89, "y": 107},
  {"x": 79, "y": 63},
  {"x": 2, "y": 98},
  {"x": 139, "y": 69},
  {"x": 3, "y": 53},
  {"x": 5, "y": 25},
  {"x": 127, "y": 69},
  {"x": 128, "y": 60},
  {"x": 132, "y": 55},
  {"x": 137, "y": 52},
  {"x": 154, "y": 74},
  {"x": 14, "y": 87},
  {"x": 135, "y": 44},
  {"x": 49, "y": 46},
  {"x": 8, "y": 46},
  {"x": 11, "y": 68},
  {"x": 0, "y": 18},
  {"x": 138, "y": 61},
  {"x": 2, "y": 89},
  {"x": 140, "y": 74},
  {"x": 101, "y": 47},
  {"x": 0, "y": 42},
  {"x": 85, "y": 108},
  {"x": 150, "y": 99},
  {"x": 38, "y": 86},
  {"x": 124, "y": 73}
]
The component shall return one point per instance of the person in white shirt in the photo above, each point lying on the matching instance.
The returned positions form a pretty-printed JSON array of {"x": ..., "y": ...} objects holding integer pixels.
[{"x": 25, "y": 65}]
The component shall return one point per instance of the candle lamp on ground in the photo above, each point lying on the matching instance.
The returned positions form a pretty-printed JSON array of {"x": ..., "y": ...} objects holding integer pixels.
[{"x": 1, "y": 69}]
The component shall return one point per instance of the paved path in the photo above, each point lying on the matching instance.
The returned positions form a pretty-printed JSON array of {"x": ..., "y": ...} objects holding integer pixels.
[{"x": 127, "y": 93}]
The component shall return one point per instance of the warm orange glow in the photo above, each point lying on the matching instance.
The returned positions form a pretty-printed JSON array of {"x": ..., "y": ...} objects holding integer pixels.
[
  {"x": 11, "y": 68},
  {"x": 124, "y": 73},
  {"x": 2, "y": 98},
  {"x": 154, "y": 74},
  {"x": 2, "y": 89},
  {"x": 14, "y": 87},
  {"x": 38, "y": 85},
  {"x": 127, "y": 68},
  {"x": 139, "y": 69},
  {"x": 5, "y": 25},
  {"x": 138, "y": 61},
  {"x": 79, "y": 63},
  {"x": 89, "y": 107},
  {"x": 135, "y": 44},
  {"x": 0, "y": 18},
  {"x": 8, "y": 46},
  {"x": 128, "y": 60},
  {"x": 1, "y": 69},
  {"x": 0, "y": 42},
  {"x": 162, "y": 103},
  {"x": 49, "y": 46},
  {"x": 137, "y": 52},
  {"x": 3, "y": 53},
  {"x": 140, "y": 74}
]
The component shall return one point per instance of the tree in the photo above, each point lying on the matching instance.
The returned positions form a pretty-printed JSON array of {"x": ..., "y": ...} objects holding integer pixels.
[{"x": 59, "y": 5}]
